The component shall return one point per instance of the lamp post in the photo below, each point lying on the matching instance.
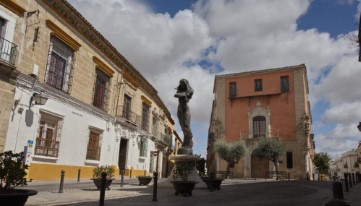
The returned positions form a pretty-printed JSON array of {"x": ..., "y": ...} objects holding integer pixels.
[{"x": 155, "y": 174}]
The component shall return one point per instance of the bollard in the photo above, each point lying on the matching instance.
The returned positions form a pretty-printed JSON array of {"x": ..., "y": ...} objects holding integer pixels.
[
  {"x": 121, "y": 177},
  {"x": 211, "y": 182},
  {"x": 61, "y": 181},
  {"x": 130, "y": 173},
  {"x": 102, "y": 189},
  {"x": 78, "y": 175},
  {"x": 155, "y": 185},
  {"x": 288, "y": 176},
  {"x": 349, "y": 180},
  {"x": 337, "y": 190},
  {"x": 313, "y": 177},
  {"x": 353, "y": 179},
  {"x": 346, "y": 182}
]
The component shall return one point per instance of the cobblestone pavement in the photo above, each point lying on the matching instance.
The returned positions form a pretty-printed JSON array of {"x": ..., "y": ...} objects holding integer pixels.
[{"x": 233, "y": 192}]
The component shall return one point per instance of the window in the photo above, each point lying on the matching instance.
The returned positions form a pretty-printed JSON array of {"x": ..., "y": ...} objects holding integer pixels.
[
  {"x": 145, "y": 117},
  {"x": 284, "y": 84},
  {"x": 47, "y": 141},
  {"x": 101, "y": 90},
  {"x": 259, "y": 127},
  {"x": 143, "y": 147},
  {"x": 127, "y": 107},
  {"x": 59, "y": 66},
  {"x": 289, "y": 160},
  {"x": 155, "y": 126},
  {"x": 232, "y": 89},
  {"x": 93, "y": 150},
  {"x": 258, "y": 85},
  {"x": 2, "y": 27}
]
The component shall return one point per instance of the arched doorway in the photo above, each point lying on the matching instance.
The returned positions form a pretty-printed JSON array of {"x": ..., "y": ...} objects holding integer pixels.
[{"x": 259, "y": 167}]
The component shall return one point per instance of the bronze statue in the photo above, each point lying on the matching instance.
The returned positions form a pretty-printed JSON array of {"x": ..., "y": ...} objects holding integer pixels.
[{"x": 184, "y": 94}]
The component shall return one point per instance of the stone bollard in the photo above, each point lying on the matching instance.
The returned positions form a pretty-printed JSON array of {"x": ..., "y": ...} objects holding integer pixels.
[
  {"x": 337, "y": 196},
  {"x": 79, "y": 175},
  {"x": 211, "y": 181},
  {"x": 155, "y": 185},
  {"x": 349, "y": 180},
  {"x": 122, "y": 177},
  {"x": 62, "y": 174},
  {"x": 102, "y": 189},
  {"x": 346, "y": 181}
]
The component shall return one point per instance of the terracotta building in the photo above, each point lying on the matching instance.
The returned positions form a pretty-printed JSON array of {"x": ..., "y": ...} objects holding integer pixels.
[
  {"x": 100, "y": 110},
  {"x": 270, "y": 103}
]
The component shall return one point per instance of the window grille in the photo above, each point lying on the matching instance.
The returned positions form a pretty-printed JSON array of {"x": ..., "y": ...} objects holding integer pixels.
[
  {"x": 93, "y": 150},
  {"x": 143, "y": 147},
  {"x": 285, "y": 84},
  {"x": 232, "y": 89},
  {"x": 60, "y": 64},
  {"x": 289, "y": 160},
  {"x": 101, "y": 90},
  {"x": 258, "y": 85},
  {"x": 259, "y": 127},
  {"x": 47, "y": 142},
  {"x": 145, "y": 117},
  {"x": 127, "y": 107}
]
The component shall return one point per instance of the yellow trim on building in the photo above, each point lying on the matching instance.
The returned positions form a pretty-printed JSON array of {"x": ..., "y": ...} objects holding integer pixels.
[
  {"x": 43, "y": 171},
  {"x": 146, "y": 101},
  {"x": 102, "y": 66},
  {"x": 62, "y": 35},
  {"x": 13, "y": 6},
  {"x": 130, "y": 80}
]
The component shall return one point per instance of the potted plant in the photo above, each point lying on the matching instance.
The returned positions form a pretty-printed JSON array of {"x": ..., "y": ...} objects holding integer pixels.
[
  {"x": 97, "y": 176},
  {"x": 12, "y": 174},
  {"x": 181, "y": 183},
  {"x": 144, "y": 180},
  {"x": 213, "y": 181}
]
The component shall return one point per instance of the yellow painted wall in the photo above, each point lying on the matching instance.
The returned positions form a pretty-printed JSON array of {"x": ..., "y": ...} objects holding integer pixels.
[{"x": 39, "y": 171}]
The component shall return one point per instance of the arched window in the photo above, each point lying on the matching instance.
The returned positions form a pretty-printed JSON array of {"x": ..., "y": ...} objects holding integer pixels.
[{"x": 259, "y": 126}]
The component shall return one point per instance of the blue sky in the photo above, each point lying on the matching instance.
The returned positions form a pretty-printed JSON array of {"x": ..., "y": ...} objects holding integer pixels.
[{"x": 197, "y": 39}]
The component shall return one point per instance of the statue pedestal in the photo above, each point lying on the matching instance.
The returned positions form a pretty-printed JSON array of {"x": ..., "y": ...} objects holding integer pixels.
[{"x": 193, "y": 176}]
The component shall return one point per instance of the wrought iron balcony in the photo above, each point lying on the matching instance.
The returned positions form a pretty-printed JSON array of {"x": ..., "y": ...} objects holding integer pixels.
[
  {"x": 8, "y": 51},
  {"x": 128, "y": 115}
]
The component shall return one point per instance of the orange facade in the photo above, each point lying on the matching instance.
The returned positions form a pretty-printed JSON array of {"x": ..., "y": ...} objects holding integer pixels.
[{"x": 281, "y": 104}]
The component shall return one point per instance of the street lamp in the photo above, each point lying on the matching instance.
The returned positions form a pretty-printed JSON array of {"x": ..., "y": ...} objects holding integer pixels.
[{"x": 155, "y": 174}]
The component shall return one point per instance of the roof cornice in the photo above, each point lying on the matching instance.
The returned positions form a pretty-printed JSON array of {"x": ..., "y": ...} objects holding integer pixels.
[{"x": 71, "y": 16}]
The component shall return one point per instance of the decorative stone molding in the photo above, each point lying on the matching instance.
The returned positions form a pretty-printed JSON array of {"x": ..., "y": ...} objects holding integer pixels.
[
  {"x": 146, "y": 101},
  {"x": 102, "y": 66},
  {"x": 259, "y": 111},
  {"x": 62, "y": 35},
  {"x": 13, "y": 6}
]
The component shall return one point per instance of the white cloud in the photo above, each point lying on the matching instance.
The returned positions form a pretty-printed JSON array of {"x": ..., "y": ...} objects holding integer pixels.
[{"x": 245, "y": 35}]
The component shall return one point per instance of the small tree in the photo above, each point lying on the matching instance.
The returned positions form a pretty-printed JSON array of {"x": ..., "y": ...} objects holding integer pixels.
[
  {"x": 270, "y": 149},
  {"x": 322, "y": 162},
  {"x": 231, "y": 152}
]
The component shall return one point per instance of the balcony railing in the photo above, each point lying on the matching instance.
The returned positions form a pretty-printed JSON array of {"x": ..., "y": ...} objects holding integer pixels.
[
  {"x": 128, "y": 115},
  {"x": 46, "y": 147},
  {"x": 8, "y": 51}
]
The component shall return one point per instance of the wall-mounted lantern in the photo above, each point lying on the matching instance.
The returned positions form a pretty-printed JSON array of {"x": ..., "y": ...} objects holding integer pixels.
[{"x": 37, "y": 99}]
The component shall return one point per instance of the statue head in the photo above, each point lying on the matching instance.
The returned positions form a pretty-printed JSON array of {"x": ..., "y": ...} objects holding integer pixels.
[{"x": 186, "y": 88}]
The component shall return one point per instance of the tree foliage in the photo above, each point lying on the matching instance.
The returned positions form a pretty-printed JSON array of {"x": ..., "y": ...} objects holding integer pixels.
[
  {"x": 322, "y": 162},
  {"x": 12, "y": 169},
  {"x": 231, "y": 152},
  {"x": 270, "y": 149}
]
